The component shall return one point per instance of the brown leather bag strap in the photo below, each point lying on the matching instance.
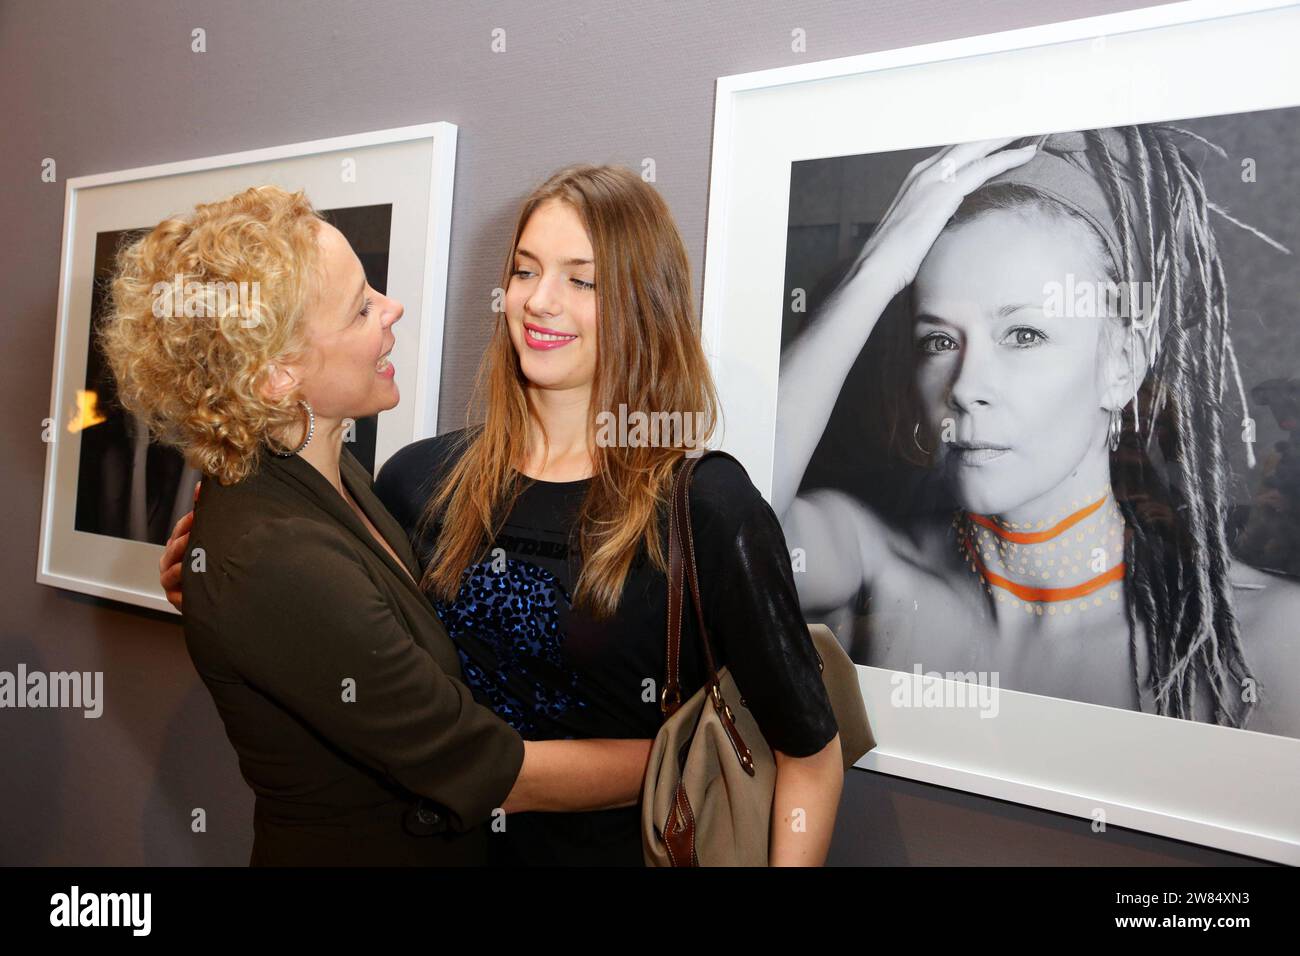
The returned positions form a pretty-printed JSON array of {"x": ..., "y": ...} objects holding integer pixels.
[
  {"x": 670, "y": 698},
  {"x": 681, "y": 569},
  {"x": 686, "y": 544}
]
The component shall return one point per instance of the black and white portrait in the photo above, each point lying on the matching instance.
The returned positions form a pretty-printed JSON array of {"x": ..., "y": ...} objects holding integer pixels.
[{"x": 1037, "y": 412}]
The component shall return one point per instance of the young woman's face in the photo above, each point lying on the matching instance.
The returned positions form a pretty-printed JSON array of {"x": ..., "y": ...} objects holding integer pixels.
[
  {"x": 346, "y": 373},
  {"x": 1012, "y": 393},
  {"x": 551, "y": 300}
]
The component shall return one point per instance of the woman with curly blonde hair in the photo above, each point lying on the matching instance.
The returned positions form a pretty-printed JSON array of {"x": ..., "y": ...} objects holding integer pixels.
[{"x": 339, "y": 688}]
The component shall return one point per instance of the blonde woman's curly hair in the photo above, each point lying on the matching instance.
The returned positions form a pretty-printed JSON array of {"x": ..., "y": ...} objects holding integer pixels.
[{"x": 196, "y": 382}]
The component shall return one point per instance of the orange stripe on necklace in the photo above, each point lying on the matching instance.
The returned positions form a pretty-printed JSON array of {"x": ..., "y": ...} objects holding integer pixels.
[
  {"x": 1027, "y": 593},
  {"x": 1036, "y": 537}
]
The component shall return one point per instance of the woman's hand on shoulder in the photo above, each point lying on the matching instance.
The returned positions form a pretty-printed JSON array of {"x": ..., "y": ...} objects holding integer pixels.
[{"x": 169, "y": 565}]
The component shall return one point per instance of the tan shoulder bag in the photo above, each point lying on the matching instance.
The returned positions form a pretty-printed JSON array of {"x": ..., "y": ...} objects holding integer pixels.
[{"x": 707, "y": 796}]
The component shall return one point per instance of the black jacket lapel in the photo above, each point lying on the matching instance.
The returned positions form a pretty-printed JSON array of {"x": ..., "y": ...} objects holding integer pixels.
[{"x": 313, "y": 484}]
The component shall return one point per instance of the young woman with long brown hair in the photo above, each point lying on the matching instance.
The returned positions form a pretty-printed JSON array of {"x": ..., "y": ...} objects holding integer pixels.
[{"x": 542, "y": 530}]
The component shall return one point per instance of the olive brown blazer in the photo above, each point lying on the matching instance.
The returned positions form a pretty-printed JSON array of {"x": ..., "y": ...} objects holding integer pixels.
[{"x": 337, "y": 684}]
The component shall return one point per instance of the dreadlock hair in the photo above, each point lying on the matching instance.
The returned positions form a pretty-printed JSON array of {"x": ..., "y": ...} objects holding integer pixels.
[{"x": 1170, "y": 477}]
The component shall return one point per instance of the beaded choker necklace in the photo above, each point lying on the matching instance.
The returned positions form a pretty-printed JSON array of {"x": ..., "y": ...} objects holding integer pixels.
[{"x": 1047, "y": 552}]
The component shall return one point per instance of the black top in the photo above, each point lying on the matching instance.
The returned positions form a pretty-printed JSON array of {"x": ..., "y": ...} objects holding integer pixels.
[
  {"x": 555, "y": 672},
  {"x": 337, "y": 684}
]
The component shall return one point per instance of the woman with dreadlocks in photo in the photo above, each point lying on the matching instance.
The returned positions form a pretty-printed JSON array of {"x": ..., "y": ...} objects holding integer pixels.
[{"x": 1076, "y": 540}]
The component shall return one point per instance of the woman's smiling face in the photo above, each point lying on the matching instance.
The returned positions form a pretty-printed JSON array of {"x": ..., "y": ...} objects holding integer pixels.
[
  {"x": 1013, "y": 393},
  {"x": 346, "y": 372},
  {"x": 551, "y": 304}
]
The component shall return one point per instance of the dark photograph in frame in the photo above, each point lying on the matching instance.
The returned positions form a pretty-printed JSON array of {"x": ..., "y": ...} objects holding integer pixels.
[{"x": 131, "y": 487}]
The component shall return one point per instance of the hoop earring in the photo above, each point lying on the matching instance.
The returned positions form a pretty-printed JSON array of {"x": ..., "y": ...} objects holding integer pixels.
[
  {"x": 925, "y": 451},
  {"x": 311, "y": 430},
  {"x": 1116, "y": 427}
]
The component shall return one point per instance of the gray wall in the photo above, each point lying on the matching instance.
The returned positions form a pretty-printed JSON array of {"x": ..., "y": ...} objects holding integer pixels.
[{"x": 107, "y": 86}]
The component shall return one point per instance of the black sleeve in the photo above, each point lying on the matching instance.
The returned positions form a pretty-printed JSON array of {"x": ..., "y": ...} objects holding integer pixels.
[
  {"x": 752, "y": 610},
  {"x": 405, "y": 482},
  {"x": 408, "y": 480}
]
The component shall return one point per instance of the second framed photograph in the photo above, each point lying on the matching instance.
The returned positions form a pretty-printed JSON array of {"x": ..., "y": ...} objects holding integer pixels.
[
  {"x": 112, "y": 496},
  {"x": 1004, "y": 328}
]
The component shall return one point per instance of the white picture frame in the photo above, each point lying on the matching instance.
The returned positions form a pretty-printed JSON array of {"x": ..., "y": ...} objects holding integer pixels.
[
  {"x": 1235, "y": 790},
  {"x": 411, "y": 169}
]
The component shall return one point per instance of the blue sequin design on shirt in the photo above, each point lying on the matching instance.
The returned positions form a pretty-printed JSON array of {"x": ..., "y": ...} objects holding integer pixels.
[{"x": 515, "y": 613}]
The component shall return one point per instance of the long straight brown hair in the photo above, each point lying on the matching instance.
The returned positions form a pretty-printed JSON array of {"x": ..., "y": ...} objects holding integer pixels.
[{"x": 648, "y": 359}]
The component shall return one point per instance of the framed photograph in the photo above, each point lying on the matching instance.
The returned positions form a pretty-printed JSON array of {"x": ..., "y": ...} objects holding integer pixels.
[
  {"x": 111, "y": 495},
  {"x": 1003, "y": 327}
]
